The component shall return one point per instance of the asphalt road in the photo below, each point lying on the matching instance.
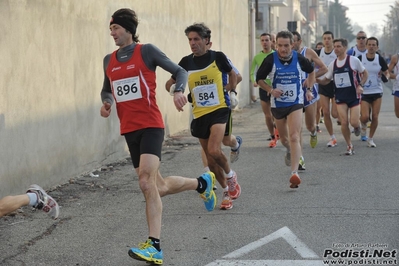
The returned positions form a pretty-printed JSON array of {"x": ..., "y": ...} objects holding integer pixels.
[{"x": 346, "y": 208}]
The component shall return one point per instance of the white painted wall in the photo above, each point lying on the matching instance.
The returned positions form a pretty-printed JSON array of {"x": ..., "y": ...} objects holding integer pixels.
[{"x": 51, "y": 54}]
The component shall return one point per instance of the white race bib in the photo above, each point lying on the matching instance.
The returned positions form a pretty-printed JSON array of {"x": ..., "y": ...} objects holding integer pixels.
[
  {"x": 371, "y": 81},
  {"x": 342, "y": 80},
  {"x": 127, "y": 89},
  {"x": 206, "y": 95},
  {"x": 289, "y": 92}
]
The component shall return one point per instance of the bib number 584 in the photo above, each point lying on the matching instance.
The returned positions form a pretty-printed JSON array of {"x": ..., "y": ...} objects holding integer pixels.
[{"x": 204, "y": 96}]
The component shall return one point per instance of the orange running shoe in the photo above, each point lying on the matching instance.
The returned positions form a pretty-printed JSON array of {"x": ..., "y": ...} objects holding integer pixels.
[
  {"x": 295, "y": 180},
  {"x": 332, "y": 143},
  {"x": 234, "y": 187},
  {"x": 227, "y": 203},
  {"x": 273, "y": 142}
]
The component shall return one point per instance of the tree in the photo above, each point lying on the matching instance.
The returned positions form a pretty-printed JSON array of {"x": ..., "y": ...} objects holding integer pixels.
[
  {"x": 373, "y": 30},
  {"x": 356, "y": 27},
  {"x": 338, "y": 23},
  {"x": 390, "y": 37}
]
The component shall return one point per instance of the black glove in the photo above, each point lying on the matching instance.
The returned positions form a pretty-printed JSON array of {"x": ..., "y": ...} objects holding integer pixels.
[{"x": 384, "y": 78}]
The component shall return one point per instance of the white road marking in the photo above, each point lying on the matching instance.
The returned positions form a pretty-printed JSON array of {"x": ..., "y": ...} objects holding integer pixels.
[
  {"x": 266, "y": 263},
  {"x": 285, "y": 233}
]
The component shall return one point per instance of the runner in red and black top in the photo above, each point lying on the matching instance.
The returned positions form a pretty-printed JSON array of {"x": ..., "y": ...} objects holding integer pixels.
[{"x": 130, "y": 81}]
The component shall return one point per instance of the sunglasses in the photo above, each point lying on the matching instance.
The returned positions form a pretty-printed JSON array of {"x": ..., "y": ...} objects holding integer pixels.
[{"x": 361, "y": 38}]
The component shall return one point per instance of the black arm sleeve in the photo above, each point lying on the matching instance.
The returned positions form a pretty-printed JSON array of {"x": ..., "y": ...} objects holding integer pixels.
[
  {"x": 183, "y": 63},
  {"x": 265, "y": 68},
  {"x": 383, "y": 64},
  {"x": 106, "y": 93},
  {"x": 305, "y": 64},
  {"x": 223, "y": 63}
]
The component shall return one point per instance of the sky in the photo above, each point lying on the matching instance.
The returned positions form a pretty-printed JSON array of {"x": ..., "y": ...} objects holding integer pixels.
[{"x": 365, "y": 12}]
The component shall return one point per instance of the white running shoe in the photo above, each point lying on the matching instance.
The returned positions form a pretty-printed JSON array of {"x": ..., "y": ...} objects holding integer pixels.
[
  {"x": 45, "y": 202},
  {"x": 371, "y": 143},
  {"x": 332, "y": 143},
  {"x": 349, "y": 150}
]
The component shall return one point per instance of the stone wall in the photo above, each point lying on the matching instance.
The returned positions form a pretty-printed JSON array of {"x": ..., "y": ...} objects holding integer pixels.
[{"x": 51, "y": 54}]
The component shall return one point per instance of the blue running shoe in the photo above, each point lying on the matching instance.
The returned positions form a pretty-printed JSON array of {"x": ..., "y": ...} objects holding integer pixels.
[
  {"x": 363, "y": 133},
  {"x": 147, "y": 252},
  {"x": 236, "y": 152},
  {"x": 209, "y": 195}
]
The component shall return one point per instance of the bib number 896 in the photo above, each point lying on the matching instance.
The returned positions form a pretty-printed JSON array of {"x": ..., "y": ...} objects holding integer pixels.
[{"x": 126, "y": 89}]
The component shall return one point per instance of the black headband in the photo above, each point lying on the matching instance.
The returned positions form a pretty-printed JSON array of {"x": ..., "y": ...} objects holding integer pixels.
[{"x": 126, "y": 23}]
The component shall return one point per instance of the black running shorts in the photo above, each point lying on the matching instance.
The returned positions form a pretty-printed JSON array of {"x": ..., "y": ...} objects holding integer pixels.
[
  {"x": 370, "y": 98},
  {"x": 327, "y": 90},
  {"x": 201, "y": 126},
  {"x": 283, "y": 112},
  {"x": 264, "y": 96},
  {"x": 144, "y": 141}
]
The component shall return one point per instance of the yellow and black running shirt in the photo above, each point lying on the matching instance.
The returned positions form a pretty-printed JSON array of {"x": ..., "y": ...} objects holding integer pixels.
[{"x": 205, "y": 81}]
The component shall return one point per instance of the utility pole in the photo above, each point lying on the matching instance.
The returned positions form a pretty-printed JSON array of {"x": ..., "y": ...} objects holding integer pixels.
[
  {"x": 307, "y": 24},
  {"x": 335, "y": 27},
  {"x": 253, "y": 15},
  {"x": 328, "y": 15}
]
